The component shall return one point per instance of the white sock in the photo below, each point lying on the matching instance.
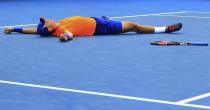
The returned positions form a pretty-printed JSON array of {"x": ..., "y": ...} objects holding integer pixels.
[{"x": 160, "y": 29}]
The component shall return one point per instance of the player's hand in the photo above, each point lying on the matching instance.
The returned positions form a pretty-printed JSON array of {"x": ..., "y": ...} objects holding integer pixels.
[
  {"x": 64, "y": 38},
  {"x": 8, "y": 30}
]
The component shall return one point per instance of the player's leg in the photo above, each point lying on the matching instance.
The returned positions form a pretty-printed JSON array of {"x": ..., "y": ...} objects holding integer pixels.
[{"x": 133, "y": 27}]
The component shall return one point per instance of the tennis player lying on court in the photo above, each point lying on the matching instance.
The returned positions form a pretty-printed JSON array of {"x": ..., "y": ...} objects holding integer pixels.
[{"x": 76, "y": 26}]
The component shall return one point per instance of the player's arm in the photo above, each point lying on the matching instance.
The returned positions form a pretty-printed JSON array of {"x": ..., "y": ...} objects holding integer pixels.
[
  {"x": 67, "y": 36},
  {"x": 20, "y": 30}
]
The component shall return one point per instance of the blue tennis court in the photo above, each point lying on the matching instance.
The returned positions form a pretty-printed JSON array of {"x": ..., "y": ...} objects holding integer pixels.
[{"x": 109, "y": 72}]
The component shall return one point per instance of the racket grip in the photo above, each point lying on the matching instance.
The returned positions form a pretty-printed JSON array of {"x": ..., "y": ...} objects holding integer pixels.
[{"x": 199, "y": 43}]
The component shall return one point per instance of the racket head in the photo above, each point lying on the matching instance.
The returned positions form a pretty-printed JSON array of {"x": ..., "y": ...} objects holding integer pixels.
[{"x": 165, "y": 43}]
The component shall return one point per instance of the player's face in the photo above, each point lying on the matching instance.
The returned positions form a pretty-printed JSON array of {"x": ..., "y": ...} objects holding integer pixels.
[{"x": 50, "y": 24}]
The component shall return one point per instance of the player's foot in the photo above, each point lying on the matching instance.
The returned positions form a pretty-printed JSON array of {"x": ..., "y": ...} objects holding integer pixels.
[{"x": 173, "y": 28}]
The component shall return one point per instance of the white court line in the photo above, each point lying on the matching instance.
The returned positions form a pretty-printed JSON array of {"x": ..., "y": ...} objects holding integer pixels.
[
  {"x": 104, "y": 94},
  {"x": 143, "y": 15},
  {"x": 133, "y": 16},
  {"x": 194, "y": 98},
  {"x": 204, "y": 17},
  {"x": 19, "y": 25},
  {"x": 111, "y": 18},
  {"x": 146, "y": 15},
  {"x": 198, "y": 12}
]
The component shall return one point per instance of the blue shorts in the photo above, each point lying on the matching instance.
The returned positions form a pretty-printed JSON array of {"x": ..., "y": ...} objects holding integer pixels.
[{"x": 107, "y": 27}]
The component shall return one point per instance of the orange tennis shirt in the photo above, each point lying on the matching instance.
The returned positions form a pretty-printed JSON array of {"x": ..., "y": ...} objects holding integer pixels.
[{"x": 77, "y": 25}]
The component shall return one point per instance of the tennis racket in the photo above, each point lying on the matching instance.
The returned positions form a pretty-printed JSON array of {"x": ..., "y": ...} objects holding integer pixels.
[{"x": 175, "y": 43}]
